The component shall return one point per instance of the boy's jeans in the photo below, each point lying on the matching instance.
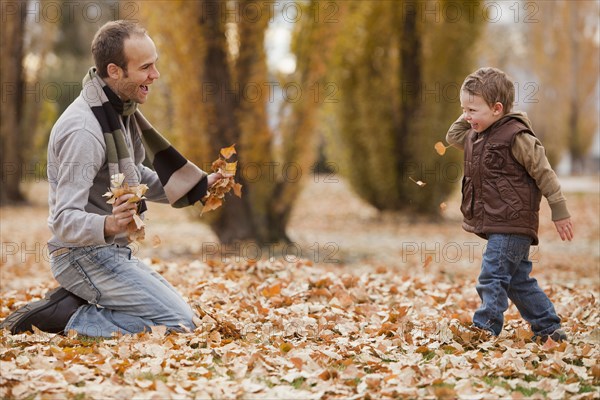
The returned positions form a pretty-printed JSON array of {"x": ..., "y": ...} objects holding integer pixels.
[
  {"x": 125, "y": 295},
  {"x": 505, "y": 274}
]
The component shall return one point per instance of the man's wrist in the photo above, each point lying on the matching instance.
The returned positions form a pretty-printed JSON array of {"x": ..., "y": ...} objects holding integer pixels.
[{"x": 109, "y": 226}]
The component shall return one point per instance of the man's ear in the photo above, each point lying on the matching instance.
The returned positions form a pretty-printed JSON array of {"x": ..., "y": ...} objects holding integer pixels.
[
  {"x": 498, "y": 108},
  {"x": 114, "y": 71}
]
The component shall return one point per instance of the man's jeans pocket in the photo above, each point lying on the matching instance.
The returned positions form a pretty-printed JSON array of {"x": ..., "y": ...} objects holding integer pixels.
[{"x": 69, "y": 271}]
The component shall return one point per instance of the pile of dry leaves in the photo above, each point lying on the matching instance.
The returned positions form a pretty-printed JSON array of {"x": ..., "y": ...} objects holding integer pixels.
[{"x": 276, "y": 330}]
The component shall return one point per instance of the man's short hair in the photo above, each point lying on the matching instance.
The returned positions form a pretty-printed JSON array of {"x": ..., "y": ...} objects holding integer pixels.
[
  {"x": 493, "y": 85},
  {"x": 108, "y": 44}
]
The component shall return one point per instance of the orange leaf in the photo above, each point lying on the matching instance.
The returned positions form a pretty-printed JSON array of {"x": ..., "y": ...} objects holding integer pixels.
[
  {"x": 212, "y": 203},
  {"x": 440, "y": 148},
  {"x": 272, "y": 290},
  {"x": 227, "y": 152},
  {"x": 237, "y": 190},
  {"x": 427, "y": 261},
  {"x": 298, "y": 363}
]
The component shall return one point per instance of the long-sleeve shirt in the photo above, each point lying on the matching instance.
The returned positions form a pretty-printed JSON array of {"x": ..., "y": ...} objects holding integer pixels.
[{"x": 529, "y": 152}]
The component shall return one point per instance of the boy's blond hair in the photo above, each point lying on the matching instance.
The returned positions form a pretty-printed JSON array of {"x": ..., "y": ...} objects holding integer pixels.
[{"x": 493, "y": 85}]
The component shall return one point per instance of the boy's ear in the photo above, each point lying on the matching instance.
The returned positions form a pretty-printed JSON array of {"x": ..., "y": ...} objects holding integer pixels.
[{"x": 498, "y": 108}]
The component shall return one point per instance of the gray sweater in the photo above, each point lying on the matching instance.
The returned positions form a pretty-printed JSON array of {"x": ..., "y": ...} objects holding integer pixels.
[{"x": 78, "y": 177}]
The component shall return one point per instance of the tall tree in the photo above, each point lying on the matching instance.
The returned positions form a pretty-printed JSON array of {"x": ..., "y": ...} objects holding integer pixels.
[
  {"x": 399, "y": 68},
  {"x": 222, "y": 98},
  {"x": 12, "y": 31},
  {"x": 565, "y": 55}
]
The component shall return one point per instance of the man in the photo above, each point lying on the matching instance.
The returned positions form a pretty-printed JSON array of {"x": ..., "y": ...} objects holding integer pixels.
[{"x": 104, "y": 289}]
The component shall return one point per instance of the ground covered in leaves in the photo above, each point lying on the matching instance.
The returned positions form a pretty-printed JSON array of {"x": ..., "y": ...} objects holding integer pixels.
[{"x": 376, "y": 306}]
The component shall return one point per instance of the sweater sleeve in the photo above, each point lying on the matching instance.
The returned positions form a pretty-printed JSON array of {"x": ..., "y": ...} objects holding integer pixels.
[
  {"x": 529, "y": 152},
  {"x": 155, "y": 191},
  {"x": 458, "y": 132},
  {"x": 75, "y": 160}
]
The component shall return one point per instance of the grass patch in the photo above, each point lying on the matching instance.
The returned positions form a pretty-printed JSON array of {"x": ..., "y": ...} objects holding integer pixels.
[
  {"x": 528, "y": 392},
  {"x": 588, "y": 389},
  {"x": 298, "y": 382},
  {"x": 149, "y": 376}
]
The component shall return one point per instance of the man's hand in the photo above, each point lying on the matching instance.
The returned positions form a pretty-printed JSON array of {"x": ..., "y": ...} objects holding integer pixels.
[
  {"x": 564, "y": 227},
  {"x": 214, "y": 178},
  {"x": 122, "y": 215}
]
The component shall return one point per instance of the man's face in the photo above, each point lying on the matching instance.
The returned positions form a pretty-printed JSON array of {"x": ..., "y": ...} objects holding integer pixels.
[
  {"x": 134, "y": 83},
  {"x": 477, "y": 111}
]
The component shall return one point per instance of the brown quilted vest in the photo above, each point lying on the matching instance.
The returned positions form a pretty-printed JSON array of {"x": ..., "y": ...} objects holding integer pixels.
[{"x": 498, "y": 195}]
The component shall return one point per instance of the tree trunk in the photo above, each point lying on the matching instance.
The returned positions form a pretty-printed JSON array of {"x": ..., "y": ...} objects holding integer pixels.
[
  {"x": 234, "y": 221},
  {"x": 409, "y": 41},
  {"x": 11, "y": 53}
]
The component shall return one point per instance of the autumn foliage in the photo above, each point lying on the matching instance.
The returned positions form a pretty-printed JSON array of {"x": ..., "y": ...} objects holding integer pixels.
[
  {"x": 118, "y": 188},
  {"x": 225, "y": 166},
  {"x": 281, "y": 330},
  {"x": 368, "y": 321}
]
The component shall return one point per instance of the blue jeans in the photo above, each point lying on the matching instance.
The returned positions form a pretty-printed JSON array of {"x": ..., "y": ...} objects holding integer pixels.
[
  {"x": 125, "y": 295},
  {"x": 505, "y": 275}
]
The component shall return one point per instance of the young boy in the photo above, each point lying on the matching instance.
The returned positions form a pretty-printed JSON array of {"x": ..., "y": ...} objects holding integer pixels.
[{"x": 506, "y": 172}]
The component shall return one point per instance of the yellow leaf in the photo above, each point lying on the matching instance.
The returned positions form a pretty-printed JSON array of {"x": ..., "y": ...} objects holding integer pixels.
[
  {"x": 227, "y": 152},
  {"x": 230, "y": 168},
  {"x": 286, "y": 347}
]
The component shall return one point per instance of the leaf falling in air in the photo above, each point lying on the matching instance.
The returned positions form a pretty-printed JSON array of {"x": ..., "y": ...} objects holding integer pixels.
[
  {"x": 428, "y": 261},
  {"x": 441, "y": 148},
  {"x": 156, "y": 241},
  {"x": 420, "y": 183}
]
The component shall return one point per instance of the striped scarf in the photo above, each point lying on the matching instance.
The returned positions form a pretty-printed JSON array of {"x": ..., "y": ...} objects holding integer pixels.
[{"x": 184, "y": 183}]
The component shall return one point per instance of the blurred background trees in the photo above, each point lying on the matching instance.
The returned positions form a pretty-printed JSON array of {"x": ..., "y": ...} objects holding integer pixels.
[
  {"x": 399, "y": 69},
  {"x": 565, "y": 53},
  {"x": 11, "y": 74},
  {"x": 366, "y": 89}
]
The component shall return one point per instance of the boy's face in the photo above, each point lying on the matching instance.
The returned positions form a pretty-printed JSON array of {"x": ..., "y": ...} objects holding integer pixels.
[{"x": 477, "y": 111}]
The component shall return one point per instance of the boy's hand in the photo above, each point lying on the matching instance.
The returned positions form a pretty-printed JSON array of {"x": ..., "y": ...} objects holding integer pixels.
[{"x": 564, "y": 227}]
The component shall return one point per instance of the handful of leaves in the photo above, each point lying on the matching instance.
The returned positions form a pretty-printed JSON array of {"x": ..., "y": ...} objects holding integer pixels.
[
  {"x": 135, "y": 229},
  {"x": 227, "y": 168}
]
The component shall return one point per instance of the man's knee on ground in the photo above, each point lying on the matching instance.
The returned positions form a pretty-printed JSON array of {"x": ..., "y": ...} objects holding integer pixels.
[{"x": 184, "y": 321}]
